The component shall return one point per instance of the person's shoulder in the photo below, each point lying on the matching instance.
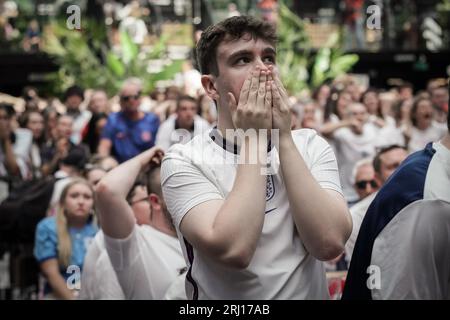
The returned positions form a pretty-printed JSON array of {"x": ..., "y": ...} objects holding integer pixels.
[
  {"x": 114, "y": 117},
  {"x": 308, "y": 139},
  {"x": 150, "y": 117},
  {"x": 169, "y": 123},
  {"x": 197, "y": 143},
  {"x": 91, "y": 229},
  {"x": 201, "y": 121},
  {"x": 47, "y": 225}
]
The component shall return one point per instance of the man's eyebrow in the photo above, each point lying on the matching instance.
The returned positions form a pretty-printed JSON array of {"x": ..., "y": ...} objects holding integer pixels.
[
  {"x": 244, "y": 52},
  {"x": 239, "y": 53}
]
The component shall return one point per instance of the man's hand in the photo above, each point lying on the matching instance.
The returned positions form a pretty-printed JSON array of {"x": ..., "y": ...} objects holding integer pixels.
[
  {"x": 281, "y": 111},
  {"x": 150, "y": 158},
  {"x": 254, "y": 110}
]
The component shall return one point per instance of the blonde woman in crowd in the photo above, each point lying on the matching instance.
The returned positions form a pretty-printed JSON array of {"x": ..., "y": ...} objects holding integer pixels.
[{"x": 62, "y": 240}]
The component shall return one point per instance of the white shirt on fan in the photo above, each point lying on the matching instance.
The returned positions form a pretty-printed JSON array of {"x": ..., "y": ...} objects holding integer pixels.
[
  {"x": 146, "y": 263},
  {"x": 98, "y": 279},
  {"x": 420, "y": 138},
  {"x": 204, "y": 169}
]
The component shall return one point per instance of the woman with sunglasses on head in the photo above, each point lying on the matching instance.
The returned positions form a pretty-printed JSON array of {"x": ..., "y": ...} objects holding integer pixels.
[{"x": 62, "y": 240}]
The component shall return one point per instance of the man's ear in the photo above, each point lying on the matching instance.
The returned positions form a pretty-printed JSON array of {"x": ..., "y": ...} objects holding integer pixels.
[
  {"x": 154, "y": 201},
  {"x": 209, "y": 85}
]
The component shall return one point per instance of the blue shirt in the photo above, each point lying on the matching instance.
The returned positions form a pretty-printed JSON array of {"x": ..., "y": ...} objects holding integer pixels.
[
  {"x": 129, "y": 138},
  {"x": 46, "y": 243}
]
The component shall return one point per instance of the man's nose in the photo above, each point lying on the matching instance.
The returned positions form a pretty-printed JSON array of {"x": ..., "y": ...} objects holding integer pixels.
[{"x": 262, "y": 65}]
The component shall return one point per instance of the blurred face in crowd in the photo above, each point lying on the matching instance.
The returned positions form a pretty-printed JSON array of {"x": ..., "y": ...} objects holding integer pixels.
[
  {"x": 186, "y": 111},
  {"x": 371, "y": 102},
  {"x": 99, "y": 102},
  {"x": 389, "y": 162},
  {"x": 73, "y": 102},
  {"x": 130, "y": 98},
  {"x": 342, "y": 104},
  {"x": 236, "y": 59},
  {"x": 140, "y": 205},
  {"x": 36, "y": 124},
  {"x": 324, "y": 93},
  {"x": 359, "y": 113},
  {"x": 354, "y": 91},
  {"x": 64, "y": 127},
  {"x": 365, "y": 183},
  {"x": 95, "y": 175},
  {"x": 439, "y": 97},
  {"x": 79, "y": 201},
  {"x": 309, "y": 116},
  {"x": 424, "y": 114},
  {"x": 405, "y": 93}
]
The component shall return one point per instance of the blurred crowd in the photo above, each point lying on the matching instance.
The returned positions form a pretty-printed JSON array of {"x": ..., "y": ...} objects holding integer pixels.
[{"x": 85, "y": 134}]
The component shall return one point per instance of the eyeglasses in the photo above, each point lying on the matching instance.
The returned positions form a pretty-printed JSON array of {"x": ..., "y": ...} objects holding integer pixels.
[
  {"x": 127, "y": 98},
  {"x": 363, "y": 184},
  {"x": 139, "y": 200}
]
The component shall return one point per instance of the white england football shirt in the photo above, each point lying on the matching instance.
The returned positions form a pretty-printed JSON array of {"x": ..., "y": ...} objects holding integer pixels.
[{"x": 204, "y": 169}]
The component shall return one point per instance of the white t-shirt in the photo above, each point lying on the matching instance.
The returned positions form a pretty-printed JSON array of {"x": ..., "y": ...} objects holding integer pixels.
[
  {"x": 98, "y": 279},
  {"x": 146, "y": 263},
  {"x": 390, "y": 134},
  {"x": 350, "y": 148},
  {"x": 167, "y": 134},
  {"x": 420, "y": 138},
  {"x": 281, "y": 268}
]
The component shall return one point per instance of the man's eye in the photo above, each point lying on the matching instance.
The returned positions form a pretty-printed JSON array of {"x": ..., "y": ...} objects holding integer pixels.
[
  {"x": 243, "y": 60},
  {"x": 269, "y": 59}
]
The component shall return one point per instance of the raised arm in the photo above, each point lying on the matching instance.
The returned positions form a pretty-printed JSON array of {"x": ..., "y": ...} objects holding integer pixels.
[
  {"x": 329, "y": 128},
  {"x": 321, "y": 215},
  {"x": 116, "y": 216}
]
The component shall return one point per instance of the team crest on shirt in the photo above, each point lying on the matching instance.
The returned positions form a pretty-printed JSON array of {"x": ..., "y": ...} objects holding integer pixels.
[
  {"x": 270, "y": 188},
  {"x": 146, "y": 136}
]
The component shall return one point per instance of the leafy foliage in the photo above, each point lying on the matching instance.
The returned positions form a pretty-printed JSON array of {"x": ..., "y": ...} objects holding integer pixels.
[
  {"x": 299, "y": 66},
  {"x": 90, "y": 62}
]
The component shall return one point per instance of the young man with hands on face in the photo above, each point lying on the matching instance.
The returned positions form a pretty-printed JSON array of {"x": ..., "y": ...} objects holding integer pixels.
[{"x": 244, "y": 234}]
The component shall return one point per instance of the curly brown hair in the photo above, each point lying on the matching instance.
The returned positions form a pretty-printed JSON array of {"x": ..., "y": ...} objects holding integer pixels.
[{"x": 228, "y": 30}]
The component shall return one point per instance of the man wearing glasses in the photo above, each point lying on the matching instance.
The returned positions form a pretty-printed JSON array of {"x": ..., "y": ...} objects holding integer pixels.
[{"x": 129, "y": 131}]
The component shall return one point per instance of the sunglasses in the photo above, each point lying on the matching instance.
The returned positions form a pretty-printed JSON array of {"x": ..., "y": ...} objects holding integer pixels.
[
  {"x": 363, "y": 184},
  {"x": 127, "y": 98}
]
